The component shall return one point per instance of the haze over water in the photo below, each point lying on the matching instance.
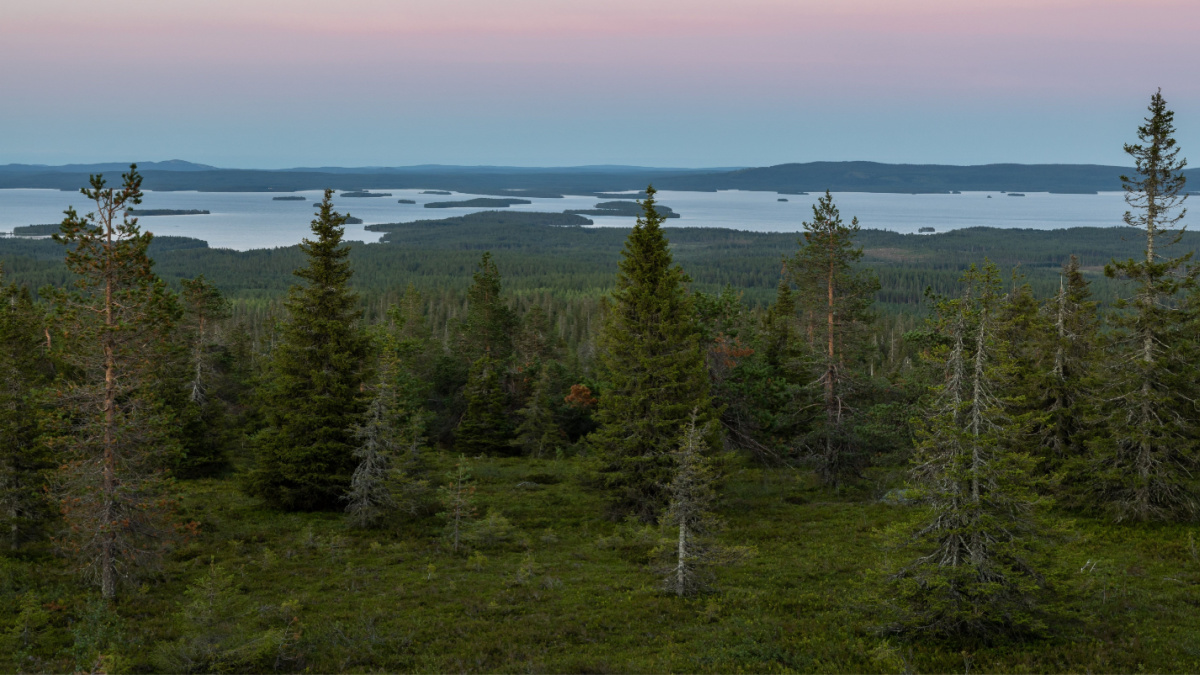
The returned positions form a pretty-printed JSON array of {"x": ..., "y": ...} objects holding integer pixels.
[{"x": 248, "y": 220}]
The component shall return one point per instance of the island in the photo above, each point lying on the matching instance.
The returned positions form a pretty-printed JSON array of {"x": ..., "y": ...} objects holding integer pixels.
[
  {"x": 290, "y": 198},
  {"x": 781, "y": 199},
  {"x": 1016, "y": 194},
  {"x": 468, "y": 223},
  {"x": 622, "y": 209},
  {"x": 436, "y": 192},
  {"x": 405, "y": 201},
  {"x": 351, "y": 220},
  {"x": 926, "y": 230},
  {"x": 44, "y": 230},
  {"x": 485, "y": 202},
  {"x": 167, "y": 212},
  {"x": 364, "y": 193}
]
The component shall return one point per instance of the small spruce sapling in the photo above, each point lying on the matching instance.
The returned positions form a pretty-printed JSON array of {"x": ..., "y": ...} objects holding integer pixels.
[{"x": 458, "y": 501}]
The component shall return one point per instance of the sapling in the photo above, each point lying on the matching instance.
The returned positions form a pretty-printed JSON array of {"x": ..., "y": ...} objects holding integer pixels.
[{"x": 458, "y": 500}]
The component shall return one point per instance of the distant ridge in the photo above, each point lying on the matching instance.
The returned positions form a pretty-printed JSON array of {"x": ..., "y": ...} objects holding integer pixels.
[{"x": 526, "y": 182}]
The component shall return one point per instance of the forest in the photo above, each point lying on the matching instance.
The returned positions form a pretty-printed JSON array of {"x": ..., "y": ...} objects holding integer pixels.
[{"x": 498, "y": 443}]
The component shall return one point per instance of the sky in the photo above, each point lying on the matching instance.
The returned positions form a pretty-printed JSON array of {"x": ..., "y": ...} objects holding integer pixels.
[{"x": 687, "y": 83}]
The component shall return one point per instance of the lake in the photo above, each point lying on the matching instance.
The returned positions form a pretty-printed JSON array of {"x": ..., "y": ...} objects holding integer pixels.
[{"x": 246, "y": 220}]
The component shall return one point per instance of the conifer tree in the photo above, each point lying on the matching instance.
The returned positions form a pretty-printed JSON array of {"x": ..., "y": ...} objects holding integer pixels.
[
  {"x": 972, "y": 576},
  {"x": 371, "y": 499},
  {"x": 112, "y": 435},
  {"x": 485, "y": 427},
  {"x": 202, "y": 419},
  {"x": 538, "y": 435},
  {"x": 1143, "y": 462},
  {"x": 840, "y": 296},
  {"x": 651, "y": 358},
  {"x": 490, "y": 324},
  {"x": 458, "y": 502},
  {"x": 690, "y": 512},
  {"x": 25, "y": 463},
  {"x": 1063, "y": 388},
  {"x": 311, "y": 397}
]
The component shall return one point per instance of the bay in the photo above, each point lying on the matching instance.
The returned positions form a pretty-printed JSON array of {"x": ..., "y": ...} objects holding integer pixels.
[{"x": 248, "y": 220}]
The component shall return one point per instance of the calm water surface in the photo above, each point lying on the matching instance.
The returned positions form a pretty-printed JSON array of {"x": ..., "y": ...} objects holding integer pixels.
[{"x": 246, "y": 220}]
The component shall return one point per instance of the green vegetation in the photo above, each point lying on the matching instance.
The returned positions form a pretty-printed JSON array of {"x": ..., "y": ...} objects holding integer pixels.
[
  {"x": 478, "y": 202},
  {"x": 628, "y": 209},
  {"x": 577, "y": 459},
  {"x": 35, "y": 230},
  {"x": 168, "y": 212}
]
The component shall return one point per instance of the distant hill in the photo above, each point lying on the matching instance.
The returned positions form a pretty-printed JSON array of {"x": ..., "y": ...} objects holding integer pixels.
[{"x": 526, "y": 182}]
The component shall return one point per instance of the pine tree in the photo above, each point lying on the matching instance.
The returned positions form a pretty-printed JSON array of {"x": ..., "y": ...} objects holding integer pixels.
[
  {"x": 840, "y": 296},
  {"x": 485, "y": 427},
  {"x": 112, "y": 434},
  {"x": 25, "y": 463},
  {"x": 651, "y": 357},
  {"x": 312, "y": 394},
  {"x": 972, "y": 576},
  {"x": 538, "y": 435},
  {"x": 1143, "y": 462}
]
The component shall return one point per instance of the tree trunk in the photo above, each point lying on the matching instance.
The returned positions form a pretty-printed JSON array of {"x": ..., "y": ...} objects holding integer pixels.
[{"x": 681, "y": 567}]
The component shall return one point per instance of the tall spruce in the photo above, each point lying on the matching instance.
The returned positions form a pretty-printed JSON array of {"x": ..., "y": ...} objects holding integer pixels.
[
  {"x": 312, "y": 394},
  {"x": 1143, "y": 463},
  {"x": 838, "y": 296},
  {"x": 112, "y": 433},
  {"x": 485, "y": 427},
  {"x": 1068, "y": 364},
  {"x": 971, "y": 576},
  {"x": 653, "y": 365},
  {"x": 202, "y": 415},
  {"x": 25, "y": 463}
]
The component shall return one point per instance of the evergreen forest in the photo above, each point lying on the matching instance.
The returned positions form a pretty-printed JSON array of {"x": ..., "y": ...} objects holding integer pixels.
[{"x": 496, "y": 443}]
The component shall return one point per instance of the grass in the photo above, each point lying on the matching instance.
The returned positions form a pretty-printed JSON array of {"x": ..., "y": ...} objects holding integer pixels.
[{"x": 569, "y": 591}]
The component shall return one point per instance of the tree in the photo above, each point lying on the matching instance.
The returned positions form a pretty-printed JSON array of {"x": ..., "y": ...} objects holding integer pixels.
[
  {"x": 690, "y": 512},
  {"x": 370, "y": 498},
  {"x": 312, "y": 394},
  {"x": 1063, "y": 388},
  {"x": 538, "y": 434},
  {"x": 202, "y": 419},
  {"x": 458, "y": 501},
  {"x": 651, "y": 357},
  {"x": 490, "y": 324},
  {"x": 832, "y": 289},
  {"x": 485, "y": 427},
  {"x": 25, "y": 463},
  {"x": 972, "y": 576},
  {"x": 112, "y": 434},
  {"x": 1143, "y": 461}
]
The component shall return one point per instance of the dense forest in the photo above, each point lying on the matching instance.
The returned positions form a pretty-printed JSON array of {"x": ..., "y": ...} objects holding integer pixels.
[{"x": 500, "y": 443}]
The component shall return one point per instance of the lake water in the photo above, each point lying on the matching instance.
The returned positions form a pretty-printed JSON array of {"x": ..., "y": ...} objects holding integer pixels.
[{"x": 246, "y": 220}]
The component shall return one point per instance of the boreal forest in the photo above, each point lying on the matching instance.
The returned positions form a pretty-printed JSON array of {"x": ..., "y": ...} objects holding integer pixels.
[{"x": 488, "y": 445}]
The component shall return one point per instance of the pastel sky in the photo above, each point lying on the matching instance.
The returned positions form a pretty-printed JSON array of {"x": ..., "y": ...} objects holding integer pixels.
[{"x": 279, "y": 83}]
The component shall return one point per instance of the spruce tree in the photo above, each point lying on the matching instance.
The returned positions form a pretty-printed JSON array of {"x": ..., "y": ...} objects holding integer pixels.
[
  {"x": 485, "y": 427},
  {"x": 839, "y": 296},
  {"x": 694, "y": 553},
  {"x": 371, "y": 498},
  {"x": 538, "y": 435},
  {"x": 202, "y": 419},
  {"x": 972, "y": 575},
  {"x": 490, "y": 324},
  {"x": 653, "y": 366},
  {"x": 312, "y": 393},
  {"x": 113, "y": 434},
  {"x": 1069, "y": 353},
  {"x": 25, "y": 463},
  {"x": 1144, "y": 460}
]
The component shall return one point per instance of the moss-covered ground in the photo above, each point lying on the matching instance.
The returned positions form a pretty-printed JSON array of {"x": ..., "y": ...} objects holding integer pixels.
[{"x": 564, "y": 589}]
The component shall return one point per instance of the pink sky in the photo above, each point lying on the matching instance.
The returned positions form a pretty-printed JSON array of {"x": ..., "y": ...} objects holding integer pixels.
[{"x": 843, "y": 70}]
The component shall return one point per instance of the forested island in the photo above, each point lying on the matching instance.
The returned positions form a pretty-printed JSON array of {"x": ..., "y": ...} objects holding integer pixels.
[
  {"x": 290, "y": 198},
  {"x": 505, "y": 442},
  {"x": 488, "y": 202},
  {"x": 168, "y": 212},
  {"x": 621, "y": 208},
  {"x": 360, "y": 194}
]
